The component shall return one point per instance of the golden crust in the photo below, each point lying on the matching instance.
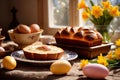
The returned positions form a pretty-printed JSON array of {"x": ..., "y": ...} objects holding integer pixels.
[
  {"x": 81, "y": 36},
  {"x": 43, "y": 52}
]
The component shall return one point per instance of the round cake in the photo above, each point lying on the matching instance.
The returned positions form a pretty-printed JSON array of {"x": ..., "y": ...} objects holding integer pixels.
[{"x": 43, "y": 52}]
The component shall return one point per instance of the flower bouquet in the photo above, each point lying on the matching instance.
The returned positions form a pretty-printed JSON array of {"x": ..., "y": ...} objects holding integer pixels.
[{"x": 100, "y": 15}]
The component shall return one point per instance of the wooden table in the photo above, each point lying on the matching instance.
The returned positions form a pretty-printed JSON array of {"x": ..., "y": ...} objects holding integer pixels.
[
  {"x": 36, "y": 72},
  {"x": 39, "y": 72}
]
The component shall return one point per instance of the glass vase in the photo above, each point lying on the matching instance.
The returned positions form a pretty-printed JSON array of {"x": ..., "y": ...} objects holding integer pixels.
[{"x": 106, "y": 31}]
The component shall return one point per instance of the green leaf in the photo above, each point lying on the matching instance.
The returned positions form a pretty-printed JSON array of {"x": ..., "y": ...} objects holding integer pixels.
[
  {"x": 93, "y": 61},
  {"x": 114, "y": 65},
  {"x": 91, "y": 2}
]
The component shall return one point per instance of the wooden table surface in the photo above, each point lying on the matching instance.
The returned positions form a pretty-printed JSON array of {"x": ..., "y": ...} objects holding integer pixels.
[
  {"x": 30, "y": 71},
  {"x": 37, "y": 72}
]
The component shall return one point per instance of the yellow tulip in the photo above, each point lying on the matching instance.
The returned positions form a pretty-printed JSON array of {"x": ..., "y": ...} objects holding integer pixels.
[
  {"x": 83, "y": 63},
  {"x": 106, "y": 4},
  {"x": 114, "y": 11},
  {"x": 85, "y": 15},
  {"x": 102, "y": 60},
  {"x": 97, "y": 11},
  {"x": 82, "y": 4}
]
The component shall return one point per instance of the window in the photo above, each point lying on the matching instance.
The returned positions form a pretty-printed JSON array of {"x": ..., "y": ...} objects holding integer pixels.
[
  {"x": 59, "y": 13},
  {"x": 60, "y": 10},
  {"x": 62, "y": 13},
  {"x": 115, "y": 2}
]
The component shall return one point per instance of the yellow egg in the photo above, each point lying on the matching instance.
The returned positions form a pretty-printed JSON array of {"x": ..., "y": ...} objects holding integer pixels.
[
  {"x": 34, "y": 28},
  {"x": 23, "y": 29},
  {"x": 9, "y": 62},
  {"x": 60, "y": 67}
]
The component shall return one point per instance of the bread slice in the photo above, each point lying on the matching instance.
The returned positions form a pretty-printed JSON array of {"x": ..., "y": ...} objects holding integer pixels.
[{"x": 43, "y": 52}]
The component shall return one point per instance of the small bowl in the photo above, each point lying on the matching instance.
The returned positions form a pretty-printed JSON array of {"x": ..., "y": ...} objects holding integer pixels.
[
  {"x": 47, "y": 39},
  {"x": 24, "y": 39}
]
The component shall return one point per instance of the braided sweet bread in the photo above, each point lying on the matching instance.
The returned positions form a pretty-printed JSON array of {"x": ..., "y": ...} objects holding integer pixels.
[{"x": 78, "y": 36}]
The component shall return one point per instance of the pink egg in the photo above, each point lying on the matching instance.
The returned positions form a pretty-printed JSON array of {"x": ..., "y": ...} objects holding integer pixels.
[
  {"x": 2, "y": 49},
  {"x": 95, "y": 71}
]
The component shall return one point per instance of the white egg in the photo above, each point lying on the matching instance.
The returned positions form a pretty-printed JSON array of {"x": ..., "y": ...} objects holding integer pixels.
[{"x": 95, "y": 71}]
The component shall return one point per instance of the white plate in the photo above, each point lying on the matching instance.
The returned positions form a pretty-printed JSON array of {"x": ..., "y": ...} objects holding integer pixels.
[{"x": 19, "y": 55}]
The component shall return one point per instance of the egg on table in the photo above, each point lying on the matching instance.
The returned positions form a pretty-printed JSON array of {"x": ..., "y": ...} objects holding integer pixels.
[
  {"x": 60, "y": 67},
  {"x": 34, "y": 28},
  {"x": 9, "y": 62},
  {"x": 95, "y": 71}
]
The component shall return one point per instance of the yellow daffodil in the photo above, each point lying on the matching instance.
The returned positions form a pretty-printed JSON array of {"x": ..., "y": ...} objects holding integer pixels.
[
  {"x": 82, "y": 4},
  {"x": 110, "y": 55},
  {"x": 117, "y": 53},
  {"x": 114, "y": 11},
  {"x": 106, "y": 4},
  {"x": 117, "y": 43},
  {"x": 97, "y": 11},
  {"x": 85, "y": 15},
  {"x": 102, "y": 60},
  {"x": 83, "y": 63},
  {"x": 99, "y": 14}
]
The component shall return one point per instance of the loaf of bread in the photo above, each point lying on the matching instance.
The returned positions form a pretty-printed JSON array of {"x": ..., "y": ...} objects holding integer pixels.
[
  {"x": 79, "y": 36},
  {"x": 43, "y": 52}
]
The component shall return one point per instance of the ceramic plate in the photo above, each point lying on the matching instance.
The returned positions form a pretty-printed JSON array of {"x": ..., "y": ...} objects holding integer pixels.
[{"x": 19, "y": 55}]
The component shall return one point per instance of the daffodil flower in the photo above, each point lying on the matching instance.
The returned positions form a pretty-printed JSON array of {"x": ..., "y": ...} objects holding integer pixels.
[
  {"x": 106, "y": 4},
  {"x": 110, "y": 55},
  {"x": 82, "y": 4},
  {"x": 97, "y": 11},
  {"x": 102, "y": 60},
  {"x": 85, "y": 15},
  {"x": 101, "y": 14},
  {"x": 114, "y": 11},
  {"x": 117, "y": 43},
  {"x": 117, "y": 53},
  {"x": 83, "y": 63}
]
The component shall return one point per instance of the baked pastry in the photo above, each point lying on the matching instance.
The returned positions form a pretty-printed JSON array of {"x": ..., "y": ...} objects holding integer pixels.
[
  {"x": 43, "y": 52},
  {"x": 79, "y": 36}
]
